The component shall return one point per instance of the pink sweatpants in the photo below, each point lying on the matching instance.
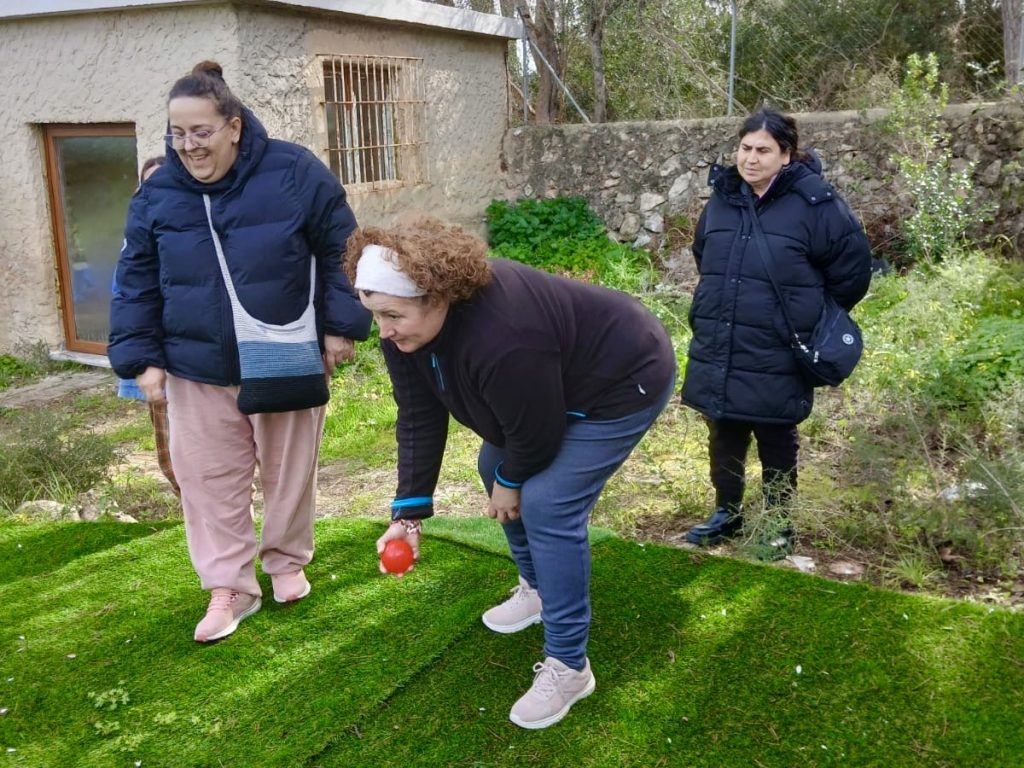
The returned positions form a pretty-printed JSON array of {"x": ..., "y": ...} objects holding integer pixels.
[{"x": 215, "y": 450}]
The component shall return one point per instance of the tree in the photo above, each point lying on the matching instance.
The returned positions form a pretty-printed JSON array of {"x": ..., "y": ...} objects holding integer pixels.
[
  {"x": 598, "y": 12},
  {"x": 541, "y": 29},
  {"x": 1012, "y": 20}
]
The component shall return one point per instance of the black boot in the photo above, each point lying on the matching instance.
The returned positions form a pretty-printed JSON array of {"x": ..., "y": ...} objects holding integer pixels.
[{"x": 724, "y": 523}]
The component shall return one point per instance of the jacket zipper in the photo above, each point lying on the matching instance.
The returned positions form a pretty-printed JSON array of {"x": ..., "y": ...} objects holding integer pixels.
[{"x": 437, "y": 371}]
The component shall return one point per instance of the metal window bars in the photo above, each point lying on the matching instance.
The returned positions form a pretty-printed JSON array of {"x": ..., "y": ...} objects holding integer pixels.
[{"x": 376, "y": 129}]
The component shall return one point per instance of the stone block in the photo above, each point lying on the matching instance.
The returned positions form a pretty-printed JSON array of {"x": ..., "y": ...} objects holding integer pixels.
[{"x": 650, "y": 201}]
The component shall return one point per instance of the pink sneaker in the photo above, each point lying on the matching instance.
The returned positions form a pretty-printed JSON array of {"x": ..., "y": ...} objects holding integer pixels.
[
  {"x": 518, "y": 612},
  {"x": 555, "y": 689},
  {"x": 227, "y": 608},
  {"x": 289, "y": 587}
]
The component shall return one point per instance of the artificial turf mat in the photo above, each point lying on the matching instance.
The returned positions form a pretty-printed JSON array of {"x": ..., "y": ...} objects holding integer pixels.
[
  {"x": 700, "y": 661},
  {"x": 704, "y": 661},
  {"x": 107, "y": 673}
]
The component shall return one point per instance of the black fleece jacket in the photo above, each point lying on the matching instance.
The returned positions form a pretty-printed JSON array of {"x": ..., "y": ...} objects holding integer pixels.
[{"x": 516, "y": 363}]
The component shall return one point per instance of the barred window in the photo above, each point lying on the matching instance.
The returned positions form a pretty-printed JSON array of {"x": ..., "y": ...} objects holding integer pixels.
[{"x": 374, "y": 109}]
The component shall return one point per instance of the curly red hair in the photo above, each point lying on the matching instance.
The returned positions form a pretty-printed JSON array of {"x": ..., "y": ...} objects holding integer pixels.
[{"x": 443, "y": 259}]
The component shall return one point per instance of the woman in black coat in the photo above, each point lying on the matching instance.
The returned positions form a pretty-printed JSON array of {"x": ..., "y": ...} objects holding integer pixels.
[{"x": 742, "y": 374}]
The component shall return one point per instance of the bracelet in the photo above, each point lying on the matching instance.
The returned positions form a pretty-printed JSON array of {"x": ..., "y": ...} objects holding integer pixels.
[{"x": 411, "y": 526}]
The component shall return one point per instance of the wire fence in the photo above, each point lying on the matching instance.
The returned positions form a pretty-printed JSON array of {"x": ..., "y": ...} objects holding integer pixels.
[
  {"x": 666, "y": 59},
  {"x": 825, "y": 55}
]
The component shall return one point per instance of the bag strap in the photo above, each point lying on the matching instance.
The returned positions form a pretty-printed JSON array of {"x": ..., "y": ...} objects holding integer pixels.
[
  {"x": 766, "y": 257},
  {"x": 236, "y": 303}
]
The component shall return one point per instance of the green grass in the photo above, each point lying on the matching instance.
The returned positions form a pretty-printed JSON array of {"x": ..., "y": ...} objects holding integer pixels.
[
  {"x": 361, "y": 415},
  {"x": 696, "y": 660}
]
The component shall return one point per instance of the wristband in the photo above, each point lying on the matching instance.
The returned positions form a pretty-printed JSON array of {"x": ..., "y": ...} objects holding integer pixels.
[{"x": 411, "y": 526}]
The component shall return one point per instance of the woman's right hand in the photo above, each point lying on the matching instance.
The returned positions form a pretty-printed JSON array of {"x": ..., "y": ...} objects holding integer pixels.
[
  {"x": 152, "y": 382},
  {"x": 409, "y": 530}
]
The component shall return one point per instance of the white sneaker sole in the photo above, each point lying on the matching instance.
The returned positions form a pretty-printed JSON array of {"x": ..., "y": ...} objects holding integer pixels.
[
  {"x": 536, "y": 725},
  {"x": 230, "y": 628},
  {"x": 508, "y": 629}
]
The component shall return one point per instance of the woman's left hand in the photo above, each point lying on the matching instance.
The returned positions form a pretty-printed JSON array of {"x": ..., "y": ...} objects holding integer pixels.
[
  {"x": 504, "y": 504},
  {"x": 337, "y": 350}
]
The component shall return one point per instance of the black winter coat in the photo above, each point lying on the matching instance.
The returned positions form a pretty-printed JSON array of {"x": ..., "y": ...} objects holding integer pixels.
[
  {"x": 277, "y": 208},
  {"x": 740, "y": 363}
]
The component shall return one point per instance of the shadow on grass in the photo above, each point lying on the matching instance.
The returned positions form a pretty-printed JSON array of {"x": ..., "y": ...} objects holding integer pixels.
[
  {"x": 700, "y": 661},
  {"x": 118, "y": 623},
  {"x": 704, "y": 661},
  {"x": 36, "y": 549}
]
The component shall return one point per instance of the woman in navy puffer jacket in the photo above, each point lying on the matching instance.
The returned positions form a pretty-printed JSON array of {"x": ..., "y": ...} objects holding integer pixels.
[
  {"x": 275, "y": 208},
  {"x": 742, "y": 373}
]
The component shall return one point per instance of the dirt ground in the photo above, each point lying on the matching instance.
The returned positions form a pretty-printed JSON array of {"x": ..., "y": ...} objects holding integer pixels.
[{"x": 347, "y": 491}]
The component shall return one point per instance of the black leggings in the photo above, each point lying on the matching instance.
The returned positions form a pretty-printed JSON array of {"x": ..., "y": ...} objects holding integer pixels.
[{"x": 777, "y": 447}]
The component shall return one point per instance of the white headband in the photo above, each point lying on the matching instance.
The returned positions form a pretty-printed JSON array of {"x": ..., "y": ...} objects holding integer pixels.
[{"x": 378, "y": 271}]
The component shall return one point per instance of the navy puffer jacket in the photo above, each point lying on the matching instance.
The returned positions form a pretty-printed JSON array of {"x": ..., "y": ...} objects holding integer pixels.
[
  {"x": 740, "y": 364},
  {"x": 277, "y": 208}
]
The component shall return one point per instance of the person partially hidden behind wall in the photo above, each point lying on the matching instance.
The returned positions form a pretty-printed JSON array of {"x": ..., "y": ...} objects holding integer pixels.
[
  {"x": 236, "y": 223},
  {"x": 128, "y": 389}
]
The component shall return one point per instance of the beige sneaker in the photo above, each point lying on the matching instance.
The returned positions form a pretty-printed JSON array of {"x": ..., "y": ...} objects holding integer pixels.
[
  {"x": 555, "y": 689},
  {"x": 518, "y": 612},
  {"x": 227, "y": 608}
]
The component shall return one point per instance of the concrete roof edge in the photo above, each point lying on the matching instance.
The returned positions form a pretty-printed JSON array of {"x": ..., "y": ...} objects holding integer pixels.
[{"x": 401, "y": 11}]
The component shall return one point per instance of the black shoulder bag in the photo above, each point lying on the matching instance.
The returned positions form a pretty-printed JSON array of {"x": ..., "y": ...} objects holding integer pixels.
[{"x": 829, "y": 356}]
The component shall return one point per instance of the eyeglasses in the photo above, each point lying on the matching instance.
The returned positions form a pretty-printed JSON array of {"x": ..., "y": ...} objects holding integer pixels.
[{"x": 199, "y": 139}]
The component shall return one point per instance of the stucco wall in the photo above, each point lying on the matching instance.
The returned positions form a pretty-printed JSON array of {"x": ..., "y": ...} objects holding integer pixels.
[
  {"x": 466, "y": 114},
  {"x": 111, "y": 67},
  {"x": 646, "y": 178},
  {"x": 118, "y": 67}
]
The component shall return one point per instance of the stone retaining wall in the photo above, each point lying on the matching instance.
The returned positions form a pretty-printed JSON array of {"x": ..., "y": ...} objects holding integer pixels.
[{"x": 647, "y": 180}]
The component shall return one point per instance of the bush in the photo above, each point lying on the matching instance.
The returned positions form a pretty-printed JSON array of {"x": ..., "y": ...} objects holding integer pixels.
[
  {"x": 933, "y": 454},
  {"x": 45, "y": 454},
  {"x": 563, "y": 235},
  {"x": 942, "y": 208}
]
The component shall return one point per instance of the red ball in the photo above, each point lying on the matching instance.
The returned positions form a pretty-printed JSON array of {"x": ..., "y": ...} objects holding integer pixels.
[{"x": 397, "y": 556}]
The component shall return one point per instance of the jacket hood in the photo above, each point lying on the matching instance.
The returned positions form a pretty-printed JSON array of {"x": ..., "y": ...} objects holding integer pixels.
[{"x": 251, "y": 146}]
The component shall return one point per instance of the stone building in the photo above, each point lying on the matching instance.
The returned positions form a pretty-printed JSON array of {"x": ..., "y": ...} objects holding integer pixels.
[{"x": 406, "y": 101}]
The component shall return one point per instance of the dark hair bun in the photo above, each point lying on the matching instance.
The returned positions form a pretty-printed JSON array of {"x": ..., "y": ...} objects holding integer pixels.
[{"x": 208, "y": 67}]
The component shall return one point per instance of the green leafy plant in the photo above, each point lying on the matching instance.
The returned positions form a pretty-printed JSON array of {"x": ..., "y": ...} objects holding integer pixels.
[
  {"x": 913, "y": 569},
  {"x": 12, "y": 369},
  {"x": 942, "y": 206},
  {"x": 561, "y": 235}
]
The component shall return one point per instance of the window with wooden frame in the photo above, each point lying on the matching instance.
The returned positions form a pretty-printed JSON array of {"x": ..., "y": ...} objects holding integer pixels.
[
  {"x": 91, "y": 174},
  {"x": 374, "y": 110}
]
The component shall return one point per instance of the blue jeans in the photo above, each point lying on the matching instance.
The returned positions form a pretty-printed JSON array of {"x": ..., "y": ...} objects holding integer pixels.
[{"x": 549, "y": 541}]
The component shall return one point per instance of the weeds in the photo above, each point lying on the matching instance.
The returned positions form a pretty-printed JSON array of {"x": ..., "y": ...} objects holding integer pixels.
[
  {"x": 141, "y": 496},
  {"x": 915, "y": 568},
  {"x": 46, "y": 454},
  {"x": 29, "y": 361}
]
